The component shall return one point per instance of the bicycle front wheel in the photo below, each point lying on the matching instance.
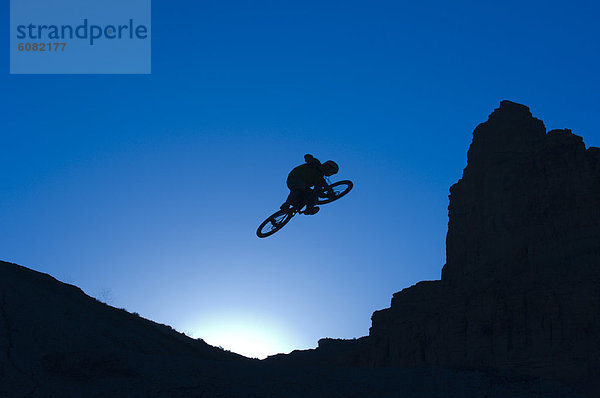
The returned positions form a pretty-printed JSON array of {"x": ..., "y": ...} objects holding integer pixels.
[
  {"x": 335, "y": 191},
  {"x": 274, "y": 223}
]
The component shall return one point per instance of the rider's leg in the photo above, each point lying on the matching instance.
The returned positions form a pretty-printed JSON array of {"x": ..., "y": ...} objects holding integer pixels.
[
  {"x": 296, "y": 187},
  {"x": 295, "y": 198},
  {"x": 311, "y": 202}
]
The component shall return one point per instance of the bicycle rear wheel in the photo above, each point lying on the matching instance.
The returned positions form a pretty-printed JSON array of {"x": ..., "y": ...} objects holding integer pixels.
[
  {"x": 273, "y": 223},
  {"x": 335, "y": 191}
]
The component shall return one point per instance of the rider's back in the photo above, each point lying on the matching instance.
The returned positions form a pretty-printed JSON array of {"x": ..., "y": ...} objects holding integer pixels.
[{"x": 306, "y": 175}]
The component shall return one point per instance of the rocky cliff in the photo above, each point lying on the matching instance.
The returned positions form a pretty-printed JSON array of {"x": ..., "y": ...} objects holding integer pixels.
[
  {"x": 521, "y": 285},
  {"x": 520, "y": 289}
]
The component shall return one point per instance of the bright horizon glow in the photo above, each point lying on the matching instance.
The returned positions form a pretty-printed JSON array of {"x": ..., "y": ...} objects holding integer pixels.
[{"x": 245, "y": 335}]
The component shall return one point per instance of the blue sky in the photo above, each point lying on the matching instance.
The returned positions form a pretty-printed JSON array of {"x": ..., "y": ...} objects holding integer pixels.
[{"x": 146, "y": 190}]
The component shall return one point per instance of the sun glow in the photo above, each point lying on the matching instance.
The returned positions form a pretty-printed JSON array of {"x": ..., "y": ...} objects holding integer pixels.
[{"x": 251, "y": 337}]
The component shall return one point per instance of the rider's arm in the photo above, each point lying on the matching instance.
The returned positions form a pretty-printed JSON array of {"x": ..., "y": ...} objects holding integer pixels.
[{"x": 322, "y": 185}]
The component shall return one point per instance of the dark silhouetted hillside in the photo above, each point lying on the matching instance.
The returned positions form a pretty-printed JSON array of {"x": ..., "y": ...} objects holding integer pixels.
[{"x": 52, "y": 334}]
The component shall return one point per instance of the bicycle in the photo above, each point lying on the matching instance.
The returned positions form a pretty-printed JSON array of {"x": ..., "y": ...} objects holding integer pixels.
[{"x": 280, "y": 218}]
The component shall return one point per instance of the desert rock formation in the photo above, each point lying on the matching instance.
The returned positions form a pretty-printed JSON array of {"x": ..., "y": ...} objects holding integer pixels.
[{"x": 521, "y": 286}]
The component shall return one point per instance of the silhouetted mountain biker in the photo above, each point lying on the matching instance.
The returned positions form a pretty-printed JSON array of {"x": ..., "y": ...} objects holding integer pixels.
[{"x": 303, "y": 178}]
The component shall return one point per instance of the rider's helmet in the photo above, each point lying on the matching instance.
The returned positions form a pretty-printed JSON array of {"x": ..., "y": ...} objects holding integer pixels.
[{"x": 330, "y": 168}]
